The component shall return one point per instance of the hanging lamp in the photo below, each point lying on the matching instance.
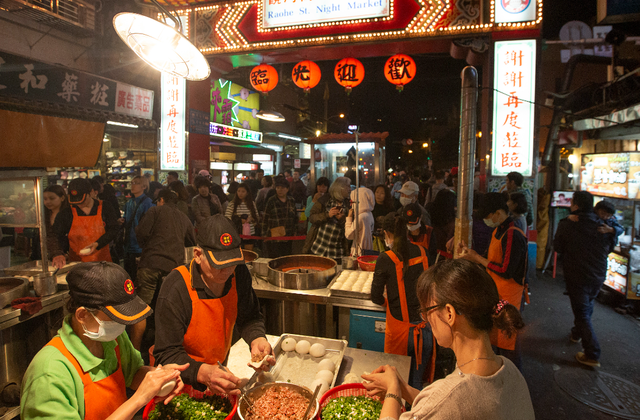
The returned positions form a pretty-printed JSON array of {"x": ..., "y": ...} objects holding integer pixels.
[{"x": 161, "y": 46}]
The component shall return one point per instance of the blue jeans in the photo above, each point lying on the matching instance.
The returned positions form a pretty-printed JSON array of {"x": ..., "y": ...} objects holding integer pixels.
[
  {"x": 415, "y": 375},
  {"x": 582, "y": 297}
]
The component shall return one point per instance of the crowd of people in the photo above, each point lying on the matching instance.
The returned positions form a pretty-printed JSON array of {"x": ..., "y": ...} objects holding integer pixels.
[{"x": 471, "y": 304}]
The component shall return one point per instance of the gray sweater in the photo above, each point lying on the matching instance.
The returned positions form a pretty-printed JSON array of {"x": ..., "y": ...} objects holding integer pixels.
[{"x": 501, "y": 396}]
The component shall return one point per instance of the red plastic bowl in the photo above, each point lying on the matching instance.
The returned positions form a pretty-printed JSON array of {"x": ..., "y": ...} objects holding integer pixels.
[
  {"x": 195, "y": 394},
  {"x": 366, "y": 262},
  {"x": 346, "y": 390}
]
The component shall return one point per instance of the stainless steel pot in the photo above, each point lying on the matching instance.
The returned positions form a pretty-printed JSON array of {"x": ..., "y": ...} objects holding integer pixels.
[
  {"x": 301, "y": 272},
  {"x": 45, "y": 284}
]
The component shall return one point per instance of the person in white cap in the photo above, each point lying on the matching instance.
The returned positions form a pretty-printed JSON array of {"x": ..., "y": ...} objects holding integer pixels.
[{"x": 409, "y": 194}]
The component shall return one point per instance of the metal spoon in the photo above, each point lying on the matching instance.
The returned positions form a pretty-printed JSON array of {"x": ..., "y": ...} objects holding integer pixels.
[{"x": 312, "y": 402}]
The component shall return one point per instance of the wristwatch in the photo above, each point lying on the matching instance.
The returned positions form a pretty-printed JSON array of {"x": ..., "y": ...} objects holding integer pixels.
[{"x": 395, "y": 397}]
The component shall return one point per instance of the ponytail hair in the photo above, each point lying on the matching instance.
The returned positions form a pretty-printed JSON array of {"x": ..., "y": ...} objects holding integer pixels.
[
  {"x": 473, "y": 294},
  {"x": 401, "y": 242}
]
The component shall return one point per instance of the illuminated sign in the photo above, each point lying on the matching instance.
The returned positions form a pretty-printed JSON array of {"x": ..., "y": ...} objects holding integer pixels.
[
  {"x": 617, "y": 270},
  {"x": 513, "y": 109},
  {"x": 220, "y": 130},
  {"x": 508, "y": 11},
  {"x": 234, "y": 105},
  {"x": 611, "y": 174},
  {"x": 172, "y": 130},
  {"x": 281, "y": 13}
]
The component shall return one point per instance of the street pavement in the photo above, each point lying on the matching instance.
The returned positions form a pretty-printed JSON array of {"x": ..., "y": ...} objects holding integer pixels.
[{"x": 546, "y": 348}]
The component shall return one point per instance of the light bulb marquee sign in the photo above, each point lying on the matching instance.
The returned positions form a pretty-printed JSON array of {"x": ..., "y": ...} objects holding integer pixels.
[{"x": 256, "y": 25}]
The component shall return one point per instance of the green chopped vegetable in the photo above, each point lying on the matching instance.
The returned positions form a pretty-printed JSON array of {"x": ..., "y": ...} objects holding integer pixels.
[
  {"x": 184, "y": 407},
  {"x": 352, "y": 408}
]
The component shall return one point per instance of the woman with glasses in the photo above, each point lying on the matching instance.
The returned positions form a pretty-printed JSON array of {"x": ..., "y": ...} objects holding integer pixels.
[
  {"x": 397, "y": 272},
  {"x": 460, "y": 301}
]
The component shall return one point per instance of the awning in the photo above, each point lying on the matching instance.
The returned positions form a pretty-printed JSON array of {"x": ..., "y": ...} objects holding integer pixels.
[
  {"x": 37, "y": 141},
  {"x": 610, "y": 120},
  {"x": 230, "y": 147}
]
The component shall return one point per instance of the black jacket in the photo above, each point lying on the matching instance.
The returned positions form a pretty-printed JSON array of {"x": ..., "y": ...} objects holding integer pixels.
[{"x": 583, "y": 249}]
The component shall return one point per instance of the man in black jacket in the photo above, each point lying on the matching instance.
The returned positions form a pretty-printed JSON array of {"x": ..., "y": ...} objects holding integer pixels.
[{"x": 584, "y": 251}]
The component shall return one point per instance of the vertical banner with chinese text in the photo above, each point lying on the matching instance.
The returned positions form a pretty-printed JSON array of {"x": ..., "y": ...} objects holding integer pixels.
[
  {"x": 513, "y": 109},
  {"x": 172, "y": 130}
]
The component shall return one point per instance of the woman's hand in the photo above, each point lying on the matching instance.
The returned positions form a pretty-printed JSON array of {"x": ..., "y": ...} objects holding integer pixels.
[
  {"x": 153, "y": 381},
  {"x": 334, "y": 211},
  {"x": 218, "y": 380},
  {"x": 59, "y": 261},
  {"x": 382, "y": 380},
  {"x": 350, "y": 213}
]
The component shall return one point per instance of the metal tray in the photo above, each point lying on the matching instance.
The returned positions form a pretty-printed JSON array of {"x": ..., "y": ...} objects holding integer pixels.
[
  {"x": 347, "y": 293},
  {"x": 302, "y": 369}
]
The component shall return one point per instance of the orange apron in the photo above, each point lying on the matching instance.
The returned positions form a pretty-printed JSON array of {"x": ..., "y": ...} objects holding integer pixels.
[
  {"x": 84, "y": 231},
  {"x": 208, "y": 337},
  {"x": 508, "y": 289},
  {"x": 101, "y": 398},
  {"x": 423, "y": 239},
  {"x": 397, "y": 331}
]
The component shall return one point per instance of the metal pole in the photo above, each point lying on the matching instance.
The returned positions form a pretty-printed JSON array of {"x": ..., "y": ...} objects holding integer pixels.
[
  {"x": 467, "y": 154},
  {"x": 44, "y": 253},
  {"x": 357, "y": 213}
]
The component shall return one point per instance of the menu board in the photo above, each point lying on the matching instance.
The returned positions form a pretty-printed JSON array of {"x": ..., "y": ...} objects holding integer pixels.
[
  {"x": 606, "y": 174},
  {"x": 617, "y": 269}
]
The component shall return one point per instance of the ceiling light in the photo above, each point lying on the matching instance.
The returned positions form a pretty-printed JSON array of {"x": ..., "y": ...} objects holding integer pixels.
[
  {"x": 121, "y": 124},
  {"x": 270, "y": 116},
  {"x": 161, "y": 46}
]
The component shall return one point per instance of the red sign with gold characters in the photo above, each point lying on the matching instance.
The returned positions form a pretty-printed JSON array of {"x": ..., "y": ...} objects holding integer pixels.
[{"x": 513, "y": 108}]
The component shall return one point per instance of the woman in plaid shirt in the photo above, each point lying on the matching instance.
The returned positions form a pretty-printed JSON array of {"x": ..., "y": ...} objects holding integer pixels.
[
  {"x": 330, "y": 241},
  {"x": 280, "y": 219}
]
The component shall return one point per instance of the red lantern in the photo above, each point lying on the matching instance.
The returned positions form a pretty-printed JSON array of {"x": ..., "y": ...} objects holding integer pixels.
[
  {"x": 349, "y": 72},
  {"x": 400, "y": 70},
  {"x": 306, "y": 75},
  {"x": 263, "y": 78}
]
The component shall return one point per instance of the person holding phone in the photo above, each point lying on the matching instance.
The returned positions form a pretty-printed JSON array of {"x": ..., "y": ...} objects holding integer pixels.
[{"x": 330, "y": 241}]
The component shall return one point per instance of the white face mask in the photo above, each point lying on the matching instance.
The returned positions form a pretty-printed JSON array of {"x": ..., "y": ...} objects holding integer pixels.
[
  {"x": 108, "y": 330},
  {"x": 405, "y": 201},
  {"x": 414, "y": 227},
  {"x": 491, "y": 223}
]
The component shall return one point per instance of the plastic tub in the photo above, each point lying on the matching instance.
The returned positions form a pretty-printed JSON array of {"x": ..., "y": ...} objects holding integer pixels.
[
  {"x": 195, "y": 394},
  {"x": 366, "y": 262}
]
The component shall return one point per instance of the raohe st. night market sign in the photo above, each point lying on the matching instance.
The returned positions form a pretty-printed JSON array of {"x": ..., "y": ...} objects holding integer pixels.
[
  {"x": 282, "y": 13},
  {"x": 252, "y": 25}
]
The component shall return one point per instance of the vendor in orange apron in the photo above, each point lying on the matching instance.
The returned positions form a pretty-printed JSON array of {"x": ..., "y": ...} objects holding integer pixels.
[
  {"x": 85, "y": 369},
  {"x": 83, "y": 228},
  {"x": 419, "y": 234},
  {"x": 406, "y": 333},
  {"x": 199, "y": 305},
  {"x": 506, "y": 263}
]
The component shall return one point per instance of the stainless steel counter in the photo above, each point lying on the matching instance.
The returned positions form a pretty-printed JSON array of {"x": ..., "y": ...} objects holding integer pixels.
[
  {"x": 355, "y": 361},
  {"x": 266, "y": 290},
  {"x": 10, "y": 317}
]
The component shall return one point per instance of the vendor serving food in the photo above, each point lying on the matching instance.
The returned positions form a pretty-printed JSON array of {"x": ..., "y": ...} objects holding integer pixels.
[
  {"x": 199, "y": 305},
  {"x": 461, "y": 303},
  {"x": 84, "y": 371}
]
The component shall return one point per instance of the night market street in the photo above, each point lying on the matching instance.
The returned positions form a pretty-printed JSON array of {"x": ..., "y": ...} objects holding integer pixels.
[{"x": 546, "y": 349}]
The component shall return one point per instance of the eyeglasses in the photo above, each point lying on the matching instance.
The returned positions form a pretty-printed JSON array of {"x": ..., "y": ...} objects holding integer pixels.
[{"x": 425, "y": 311}]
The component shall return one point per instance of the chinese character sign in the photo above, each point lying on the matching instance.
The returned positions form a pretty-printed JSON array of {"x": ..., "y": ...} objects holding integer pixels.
[
  {"x": 132, "y": 100},
  {"x": 172, "y": 131},
  {"x": 513, "y": 109},
  {"x": 234, "y": 105},
  {"x": 299, "y": 12}
]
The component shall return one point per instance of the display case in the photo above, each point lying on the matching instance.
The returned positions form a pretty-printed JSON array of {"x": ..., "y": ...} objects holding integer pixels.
[{"x": 21, "y": 203}]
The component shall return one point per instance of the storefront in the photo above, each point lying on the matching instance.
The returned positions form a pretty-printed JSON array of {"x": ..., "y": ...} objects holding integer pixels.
[{"x": 69, "y": 99}]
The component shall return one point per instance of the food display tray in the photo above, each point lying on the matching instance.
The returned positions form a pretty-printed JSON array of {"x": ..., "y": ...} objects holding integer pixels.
[
  {"x": 347, "y": 293},
  {"x": 301, "y": 369}
]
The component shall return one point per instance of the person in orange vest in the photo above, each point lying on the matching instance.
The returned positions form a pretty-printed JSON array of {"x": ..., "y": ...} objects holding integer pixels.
[
  {"x": 85, "y": 228},
  {"x": 419, "y": 234},
  {"x": 83, "y": 372},
  {"x": 506, "y": 263},
  {"x": 200, "y": 304},
  {"x": 394, "y": 287}
]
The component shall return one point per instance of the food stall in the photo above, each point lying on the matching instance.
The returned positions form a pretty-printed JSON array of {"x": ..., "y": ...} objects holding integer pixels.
[
  {"x": 23, "y": 332},
  {"x": 334, "y": 154},
  {"x": 616, "y": 178}
]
